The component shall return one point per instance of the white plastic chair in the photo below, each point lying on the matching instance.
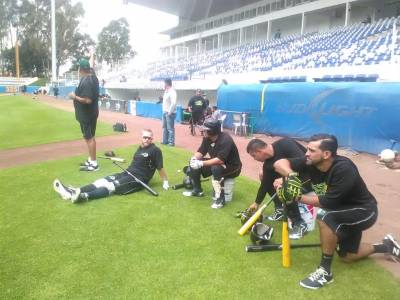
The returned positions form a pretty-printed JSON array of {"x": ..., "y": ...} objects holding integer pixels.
[
  {"x": 222, "y": 119},
  {"x": 236, "y": 122}
]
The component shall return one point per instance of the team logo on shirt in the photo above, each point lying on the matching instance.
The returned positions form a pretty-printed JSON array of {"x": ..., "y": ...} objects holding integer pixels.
[
  {"x": 320, "y": 188},
  {"x": 145, "y": 154},
  {"x": 212, "y": 145}
]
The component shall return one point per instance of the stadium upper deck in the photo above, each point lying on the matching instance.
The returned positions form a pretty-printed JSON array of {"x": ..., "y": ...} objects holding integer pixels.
[{"x": 219, "y": 24}]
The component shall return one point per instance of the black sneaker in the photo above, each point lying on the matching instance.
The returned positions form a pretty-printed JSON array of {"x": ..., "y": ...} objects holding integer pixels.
[
  {"x": 277, "y": 215},
  {"x": 219, "y": 203},
  {"x": 193, "y": 193},
  {"x": 90, "y": 168},
  {"x": 298, "y": 231},
  {"x": 393, "y": 247},
  {"x": 317, "y": 279}
]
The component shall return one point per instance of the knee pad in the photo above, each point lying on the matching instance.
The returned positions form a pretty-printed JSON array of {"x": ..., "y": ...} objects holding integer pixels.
[
  {"x": 109, "y": 185},
  {"x": 218, "y": 188}
]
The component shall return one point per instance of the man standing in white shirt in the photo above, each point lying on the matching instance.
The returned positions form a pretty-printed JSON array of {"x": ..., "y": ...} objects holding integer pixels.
[{"x": 169, "y": 113}]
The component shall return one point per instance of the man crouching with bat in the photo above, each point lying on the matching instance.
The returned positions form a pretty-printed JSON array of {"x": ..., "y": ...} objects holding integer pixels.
[
  {"x": 224, "y": 162},
  {"x": 147, "y": 158}
]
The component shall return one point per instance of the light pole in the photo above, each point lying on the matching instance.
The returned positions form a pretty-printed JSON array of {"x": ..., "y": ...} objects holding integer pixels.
[{"x": 53, "y": 42}]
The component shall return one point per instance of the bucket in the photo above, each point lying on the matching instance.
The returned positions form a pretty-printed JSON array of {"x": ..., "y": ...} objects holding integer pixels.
[{"x": 229, "y": 184}]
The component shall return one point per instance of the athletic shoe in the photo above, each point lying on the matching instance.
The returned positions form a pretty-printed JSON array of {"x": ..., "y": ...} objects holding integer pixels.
[
  {"x": 193, "y": 193},
  {"x": 317, "y": 279},
  {"x": 219, "y": 203},
  {"x": 277, "y": 215},
  {"x": 393, "y": 247},
  {"x": 62, "y": 190},
  {"x": 298, "y": 231},
  {"x": 84, "y": 164},
  {"x": 90, "y": 168},
  {"x": 75, "y": 193}
]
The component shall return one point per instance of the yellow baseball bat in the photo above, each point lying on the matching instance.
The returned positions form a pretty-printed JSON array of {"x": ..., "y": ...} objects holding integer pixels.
[
  {"x": 285, "y": 242},
  {"x": 250, "y": 222}
]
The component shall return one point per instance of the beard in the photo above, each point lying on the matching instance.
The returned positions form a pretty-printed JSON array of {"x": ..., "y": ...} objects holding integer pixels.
[{"x": 314, "y": 162}]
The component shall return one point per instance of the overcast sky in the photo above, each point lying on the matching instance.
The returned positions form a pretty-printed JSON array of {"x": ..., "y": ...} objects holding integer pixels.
[{"x": 144, "y": 23}]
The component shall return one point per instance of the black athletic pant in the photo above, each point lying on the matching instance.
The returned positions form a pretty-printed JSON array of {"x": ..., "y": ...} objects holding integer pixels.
[{"x": 217, "y": 171}]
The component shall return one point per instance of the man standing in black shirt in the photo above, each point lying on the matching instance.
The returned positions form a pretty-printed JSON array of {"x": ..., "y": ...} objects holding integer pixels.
[
  {"x": 224, "y": 162},
  {"x": 269, "y": 154},
  {"x": 347, "y": 208},
  {"x": 146, "y": 160},
  {"x": 197, "y": 107},
  {"x": 86, "y": 105}
]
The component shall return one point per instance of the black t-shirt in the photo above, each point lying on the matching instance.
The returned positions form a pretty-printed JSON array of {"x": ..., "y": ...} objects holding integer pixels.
[
  {"x": 284, "y": 148},
  {"x": 88, "y": 87},
  {"x": 145, "y": 162},
  {"x": 197, "y": 103},
  {"x": 341, "y": 187},
  {"x": 224, "y": 148}
]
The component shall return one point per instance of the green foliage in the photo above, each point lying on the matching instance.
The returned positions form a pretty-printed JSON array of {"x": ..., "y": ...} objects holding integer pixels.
[
  {"x": 29, "y": 123},
  {"x": 143, "y": 247},
  {"x": 113, "y": 43},
  {"x": 32, "y": 20}
]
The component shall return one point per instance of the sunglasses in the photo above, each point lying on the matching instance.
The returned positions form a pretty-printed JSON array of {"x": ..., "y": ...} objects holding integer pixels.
[{"x": 147, "y": 137}]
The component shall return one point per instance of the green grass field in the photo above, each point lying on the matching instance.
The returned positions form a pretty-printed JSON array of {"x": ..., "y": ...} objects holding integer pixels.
[
  {"x": 144, "y": 247},
  {"x": 26, "y": 122}
]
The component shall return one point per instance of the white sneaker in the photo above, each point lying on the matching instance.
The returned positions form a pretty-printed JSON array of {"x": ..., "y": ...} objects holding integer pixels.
[
  {"x": 193, "y": 193},
  {"x": 62, "y": 190},
  {"x": 75, "y": 192},
  {"x": 90, "y": 168}
]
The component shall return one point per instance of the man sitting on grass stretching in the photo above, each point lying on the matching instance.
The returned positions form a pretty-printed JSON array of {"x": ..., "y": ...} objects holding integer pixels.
[
  {"x": 146, "y": 160},
  {"x": 347, "y": 208}
]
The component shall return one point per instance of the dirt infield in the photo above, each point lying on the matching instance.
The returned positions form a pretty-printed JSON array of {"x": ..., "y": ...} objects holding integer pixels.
[{"x": 382, "y": 182}]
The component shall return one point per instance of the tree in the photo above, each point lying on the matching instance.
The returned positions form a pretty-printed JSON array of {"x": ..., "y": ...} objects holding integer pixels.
[
  {"x": 32, "y": 21},
  {"x": 113, "y": 42}
]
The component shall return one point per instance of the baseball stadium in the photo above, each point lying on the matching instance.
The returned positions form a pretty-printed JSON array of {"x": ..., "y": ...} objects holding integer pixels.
[{"x": 243, "y": 149}]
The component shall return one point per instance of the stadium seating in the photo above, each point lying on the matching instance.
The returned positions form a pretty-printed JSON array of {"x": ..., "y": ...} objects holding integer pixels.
[{"x": 355, "y": 45}]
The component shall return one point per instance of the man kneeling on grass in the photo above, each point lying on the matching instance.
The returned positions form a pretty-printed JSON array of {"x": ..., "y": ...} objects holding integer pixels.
[
  {"x": 347, "y": 208},
  {"x": 146, "y": 160}
]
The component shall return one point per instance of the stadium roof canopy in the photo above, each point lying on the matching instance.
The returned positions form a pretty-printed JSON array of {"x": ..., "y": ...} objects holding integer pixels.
[{"x": 193, "y": 10}]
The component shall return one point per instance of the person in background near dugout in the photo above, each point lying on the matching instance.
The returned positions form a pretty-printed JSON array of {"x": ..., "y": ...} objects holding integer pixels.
[
  {"x": 169, "y": 113},
  {"x": 224, "y": 162},
  {"x": 86, "y": 103},
  {"x": 197, "y": 107},
  {"x": 268, "y": 154},
  {"x": 347, "y": 208},
  {"x": 147, "y": 158}
]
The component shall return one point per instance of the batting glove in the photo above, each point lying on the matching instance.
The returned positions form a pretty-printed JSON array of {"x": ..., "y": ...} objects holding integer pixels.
[
  {"x": 165, "y": 185},
  {"x": 196, "y": 164}
]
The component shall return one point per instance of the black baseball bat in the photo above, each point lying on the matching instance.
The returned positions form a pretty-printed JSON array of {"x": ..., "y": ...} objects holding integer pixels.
[
  {"x": 153, "y": 192},
  {"x": 178, "y": 186},
  {"x": 276, "y": 247},
  {"x": 181, "y": 185}
]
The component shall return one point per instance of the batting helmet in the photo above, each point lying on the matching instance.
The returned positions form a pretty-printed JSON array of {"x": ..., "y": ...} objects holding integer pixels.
[
  {"x": 261, "y": 233},
  {"x": 212, "y": 126}
]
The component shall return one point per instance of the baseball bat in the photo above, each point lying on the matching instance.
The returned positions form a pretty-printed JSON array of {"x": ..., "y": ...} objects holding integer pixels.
[
  {"x": 153, "y": 192},
  {"x": 181, "y": 185},
  {"x": 118, "y": 159},
  {"x": 275, "y": 247},
  {"x": 250, "y": 222},
  {"x": 285, "y": 241},
  {"x": 178, "y": 186}
]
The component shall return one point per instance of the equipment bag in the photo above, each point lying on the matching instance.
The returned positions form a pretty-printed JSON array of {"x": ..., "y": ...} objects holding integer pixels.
[{"x": 120, "y": 127}]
